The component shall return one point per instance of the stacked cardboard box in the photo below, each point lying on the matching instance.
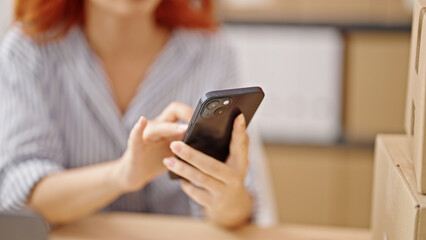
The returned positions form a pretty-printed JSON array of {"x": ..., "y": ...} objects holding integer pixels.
[
  {"x": 340, "y": 178},
  {"x": 399, "y": 206},
  {"x": 399, "y": 211},
  {"x": 376, "y": 69},
  {"x": 415, "y": 114}
]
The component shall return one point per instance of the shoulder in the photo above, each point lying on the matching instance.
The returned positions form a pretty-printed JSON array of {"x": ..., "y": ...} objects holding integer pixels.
[
  {"x": 24, "y": 59},
  {"x": 17, "y": 50}
]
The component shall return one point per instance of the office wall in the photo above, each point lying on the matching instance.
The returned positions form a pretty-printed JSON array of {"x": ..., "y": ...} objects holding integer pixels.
[{"x": 5, "y": 15}]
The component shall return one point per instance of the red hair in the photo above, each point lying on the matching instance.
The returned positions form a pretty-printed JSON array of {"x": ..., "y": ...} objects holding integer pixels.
[{"x": 41, "y": 16}]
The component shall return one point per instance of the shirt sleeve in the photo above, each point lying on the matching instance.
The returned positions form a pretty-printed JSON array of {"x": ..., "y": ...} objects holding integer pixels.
[{"x": 30, "y": 143}]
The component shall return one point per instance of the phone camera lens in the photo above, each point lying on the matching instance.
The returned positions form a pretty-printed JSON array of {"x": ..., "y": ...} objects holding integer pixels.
[
  {"x": 219, "y": 111},
  {"x": 212, "y": 105}
]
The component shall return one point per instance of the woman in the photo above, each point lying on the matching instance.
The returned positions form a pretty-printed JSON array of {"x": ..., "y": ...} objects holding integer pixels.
[{"x": 75, "y": 78}]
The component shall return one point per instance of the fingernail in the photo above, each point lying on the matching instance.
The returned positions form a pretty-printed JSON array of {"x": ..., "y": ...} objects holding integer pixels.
[
  {"x": 175, "y": 147},
  {"x": 182, "y": 127},
  {"x": 242, "y": 119},
  {"x": 140, "y": 121},
  {"x": 169, "y": 162}
]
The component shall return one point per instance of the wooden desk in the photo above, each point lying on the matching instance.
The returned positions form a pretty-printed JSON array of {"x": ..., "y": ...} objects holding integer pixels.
[{"x": 132, "y": 226}]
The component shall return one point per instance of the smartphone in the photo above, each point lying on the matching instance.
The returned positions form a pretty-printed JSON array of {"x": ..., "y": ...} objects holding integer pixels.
[{"x": 210, "y": 129}]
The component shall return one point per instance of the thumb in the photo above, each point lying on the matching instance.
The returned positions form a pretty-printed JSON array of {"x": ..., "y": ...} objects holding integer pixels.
[
  {"x": 238, "y": 149},
  {"x": 136, "y": 134}
]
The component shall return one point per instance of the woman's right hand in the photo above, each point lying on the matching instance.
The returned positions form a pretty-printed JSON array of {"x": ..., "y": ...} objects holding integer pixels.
[{"x": 148, "y": 145}]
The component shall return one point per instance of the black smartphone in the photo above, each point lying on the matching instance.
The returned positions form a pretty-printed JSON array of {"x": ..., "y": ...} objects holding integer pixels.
[{"x": 211, "y": 125}]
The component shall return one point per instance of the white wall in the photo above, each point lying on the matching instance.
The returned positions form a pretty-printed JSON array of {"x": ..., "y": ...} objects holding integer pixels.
[
  {"x": 300, "y": 70},
  {"x": 6, "y": 8}
]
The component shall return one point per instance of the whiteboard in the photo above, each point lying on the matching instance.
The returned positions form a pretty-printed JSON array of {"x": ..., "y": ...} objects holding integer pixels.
[{"x": 300, "y": 70}]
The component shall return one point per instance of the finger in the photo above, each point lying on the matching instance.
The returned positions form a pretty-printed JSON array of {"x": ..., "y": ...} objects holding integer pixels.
[
  {"x": 136, "y": 133},
  {"x": 201, "y": 161},
  {"x": 176, "y": 111},
  {"x": 199, "y": 195},
  {"x": 238, "y": 148},
  {"x": 164, "y": 130},
  {"x": 192, "y": 174}
]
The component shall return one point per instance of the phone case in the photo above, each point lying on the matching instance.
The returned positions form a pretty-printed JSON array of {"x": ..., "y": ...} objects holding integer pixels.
[{"x": 211, "y": 125}]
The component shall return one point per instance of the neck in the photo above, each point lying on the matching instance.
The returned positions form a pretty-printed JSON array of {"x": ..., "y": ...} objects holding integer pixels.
[{"x": 115, "y": 36}]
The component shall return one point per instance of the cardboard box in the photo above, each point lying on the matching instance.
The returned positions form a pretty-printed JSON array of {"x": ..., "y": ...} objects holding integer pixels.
[
  {"x": 339, "y": 177},
  {"x": 375, "y": 84},
  {"x": 364, "y": 12},
  {"x": 415, "y": 114},
  {"x": 399, "y": 211}
]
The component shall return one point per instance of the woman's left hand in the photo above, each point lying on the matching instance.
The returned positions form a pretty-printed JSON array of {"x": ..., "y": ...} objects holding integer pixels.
[{"x": 219, "y": 187}]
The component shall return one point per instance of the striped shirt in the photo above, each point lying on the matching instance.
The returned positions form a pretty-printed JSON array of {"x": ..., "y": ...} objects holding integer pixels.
[{"x": 57, "y": 111}]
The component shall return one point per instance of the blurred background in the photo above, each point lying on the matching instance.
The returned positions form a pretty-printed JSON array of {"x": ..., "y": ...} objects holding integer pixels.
[{"x": 335, "y": 73}]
